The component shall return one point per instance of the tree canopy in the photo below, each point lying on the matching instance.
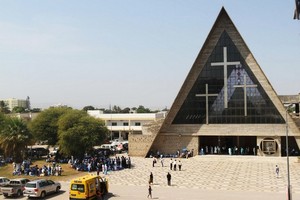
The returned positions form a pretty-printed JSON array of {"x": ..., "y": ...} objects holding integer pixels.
[
  {"x": 14, "y": 138},
  {"x": 86, "y": 108},
  {"x": 142, "y": 109},
  {"x": 4, "y": 108},
  {"x": 79, "y": 132},
  {"x": 45, "y": 126},
  {"x": 18, "y": 109},
  {"x": 73, "y": 130}
]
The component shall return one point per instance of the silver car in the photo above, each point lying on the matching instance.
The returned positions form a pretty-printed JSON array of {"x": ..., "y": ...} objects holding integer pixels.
[
  {"x": 4, "y": 181},
  {"x": 40, "y": 188}
]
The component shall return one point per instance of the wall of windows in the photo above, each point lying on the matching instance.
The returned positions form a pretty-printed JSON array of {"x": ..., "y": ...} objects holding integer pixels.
[{"x": 236, "y": 96}]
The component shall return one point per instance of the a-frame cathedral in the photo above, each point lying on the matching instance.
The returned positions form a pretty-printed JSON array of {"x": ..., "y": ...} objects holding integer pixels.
[{"x": 226, "y": 105}]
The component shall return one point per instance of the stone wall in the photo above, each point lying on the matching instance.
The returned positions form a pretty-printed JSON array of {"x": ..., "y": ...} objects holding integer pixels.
[
  {"x": 169, "y": 144},
  {"x": 139, "y": 145}
]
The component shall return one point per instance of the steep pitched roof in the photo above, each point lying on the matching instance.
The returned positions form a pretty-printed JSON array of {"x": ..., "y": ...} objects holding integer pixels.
[{"x": 223, "y": 26}]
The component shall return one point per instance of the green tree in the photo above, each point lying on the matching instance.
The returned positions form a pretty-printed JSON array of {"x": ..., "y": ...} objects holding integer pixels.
[
  {"x": 116, "y": 109},
  {"x": 79, "y": 132},
  {"x": 86, "y": 108},
  {"x": 125, "y": 110},
  {"x": 14, "y": 138},
  {"x": 4, "y": 108},
  {"x": 18, "y": 109},
  {"x": 35, "y": 110},
  {"x": 142, "y": 109},
  {"x": 45, "y": 125},
  {"x": 2, "y": 120}
]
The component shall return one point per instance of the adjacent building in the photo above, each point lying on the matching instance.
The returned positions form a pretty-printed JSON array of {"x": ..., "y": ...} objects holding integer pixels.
[{"x": 121, "y": 125}]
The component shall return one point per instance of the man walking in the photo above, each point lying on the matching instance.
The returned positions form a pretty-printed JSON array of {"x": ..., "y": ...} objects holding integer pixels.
[
  {"x": 151, "y": 178},
  {"x": 169, "y": 178},
  {"x": 277, "y": 171},
  {"x": 149, "y": 192}
]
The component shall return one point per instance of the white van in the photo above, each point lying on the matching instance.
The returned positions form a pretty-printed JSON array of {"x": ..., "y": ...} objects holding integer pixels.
[{"x": 108, "y": 146}]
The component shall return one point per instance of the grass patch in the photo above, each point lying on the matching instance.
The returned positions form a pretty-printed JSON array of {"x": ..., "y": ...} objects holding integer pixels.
[{"x": 67, "y": 174}]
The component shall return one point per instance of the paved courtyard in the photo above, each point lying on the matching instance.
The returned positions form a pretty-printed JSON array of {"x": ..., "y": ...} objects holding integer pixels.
[
  {"x": 203, "y": 178},
  {"x": 235, "y": 176}
]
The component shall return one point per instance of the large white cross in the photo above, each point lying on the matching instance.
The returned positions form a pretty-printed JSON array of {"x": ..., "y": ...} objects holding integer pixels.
[
  {"x": 225, "y": 63},
  {"x": 245, "y": 86},
  {"x": 206, "y": 95}
]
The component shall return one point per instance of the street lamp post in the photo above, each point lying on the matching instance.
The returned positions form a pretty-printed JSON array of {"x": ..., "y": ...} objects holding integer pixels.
[{"x": 289, "y": 195}]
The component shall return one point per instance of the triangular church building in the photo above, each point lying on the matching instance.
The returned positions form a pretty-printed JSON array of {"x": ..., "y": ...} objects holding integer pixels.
[{"x": 226, "y": 105}]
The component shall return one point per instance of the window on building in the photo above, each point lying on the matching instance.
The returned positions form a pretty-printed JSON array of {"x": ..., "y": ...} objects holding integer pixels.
[
  {"x": 125, "y": 123},
  {"x": 114, "y": 123},
  {"x": 137, "y": 124},
  {"x": 269, "y": 146}
]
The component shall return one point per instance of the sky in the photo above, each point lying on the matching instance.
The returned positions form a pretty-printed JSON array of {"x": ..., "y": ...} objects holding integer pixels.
[{"x": 132, "y": 52}]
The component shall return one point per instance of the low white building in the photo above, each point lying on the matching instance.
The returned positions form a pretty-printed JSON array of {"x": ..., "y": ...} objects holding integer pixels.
[{"x": 121, "y": 124}]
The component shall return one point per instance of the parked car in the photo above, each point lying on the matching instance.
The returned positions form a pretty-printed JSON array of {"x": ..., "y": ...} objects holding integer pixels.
[
  {"x": 54, "y": 151},
  {"x": 4, "y": 181},
  {"x": 15, "y": 187},
  {"x": 108, "y": 146},
  {"x": 41, "y": 188},
  {"x": 37, "y": 152}
]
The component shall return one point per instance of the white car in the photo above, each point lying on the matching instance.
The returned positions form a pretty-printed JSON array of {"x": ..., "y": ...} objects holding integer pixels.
[
  {"x": 108, "y": 146},
  {"x": 40, "y": 188},
  {"x": 54, "y": 151},
  {"x": 4, "y": 181}
]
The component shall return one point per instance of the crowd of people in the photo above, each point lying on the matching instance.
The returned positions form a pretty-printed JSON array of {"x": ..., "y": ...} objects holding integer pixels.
[
  {"x": 183, "y": 153},
  {"x": 101, "y": 164},
  {"x": 25, "y": 168},
  {"x": 227, "y": 150}
]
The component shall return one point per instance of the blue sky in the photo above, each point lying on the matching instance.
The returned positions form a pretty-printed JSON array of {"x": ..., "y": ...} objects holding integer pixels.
[{"x": 132, "y": 52}]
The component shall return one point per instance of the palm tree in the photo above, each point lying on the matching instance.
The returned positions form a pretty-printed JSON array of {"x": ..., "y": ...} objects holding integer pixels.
[{"x": 14, "y": 138}]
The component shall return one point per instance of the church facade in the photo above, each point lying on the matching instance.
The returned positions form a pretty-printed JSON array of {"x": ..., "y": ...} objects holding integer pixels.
[{"x": 226, "y": 105}]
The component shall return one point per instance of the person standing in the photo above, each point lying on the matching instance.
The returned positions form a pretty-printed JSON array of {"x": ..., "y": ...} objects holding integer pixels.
[
  {"x": 179, "y": 165},
  {"x": 149, "y": 192},
  {"x": 151, "y": 178},
  {"x": 153, "y": 162},
  {"x": 162, "y": 160},
  {"x": 171, "y": 164},
  {"x": 229, "y": 151},
  {"x": 169, "y": 178},
  {"x": 99, "y": 195},
  {"x": 174, "y": 165},
  {"x": 98, "y": 168},
  {"x": 277, "y": 171}
]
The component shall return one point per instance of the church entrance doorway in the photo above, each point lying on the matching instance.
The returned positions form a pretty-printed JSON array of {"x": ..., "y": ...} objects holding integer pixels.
[{"x": 227, "y": 145}]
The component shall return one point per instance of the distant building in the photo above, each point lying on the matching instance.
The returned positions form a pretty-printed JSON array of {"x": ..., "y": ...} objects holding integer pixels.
[
  {"x": 121, "y": 125},
  {"x": 12, "y": 102}
]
